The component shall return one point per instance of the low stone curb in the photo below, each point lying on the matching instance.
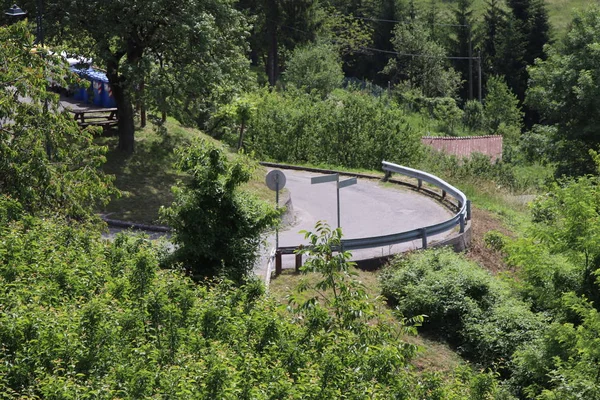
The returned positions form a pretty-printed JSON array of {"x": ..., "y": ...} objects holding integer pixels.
[{"x": 136, "y": 226}]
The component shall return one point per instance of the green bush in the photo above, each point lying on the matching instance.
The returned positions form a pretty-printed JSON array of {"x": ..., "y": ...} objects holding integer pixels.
[
  {"x": 84, "y": 318},
  {"x": 463, "y": 303},
  {"x": 315, "y": 67},
  {"x": 474, "y": 117},
  {"x": 349, "y": 128},
  {"x": 217, "y": 227}
]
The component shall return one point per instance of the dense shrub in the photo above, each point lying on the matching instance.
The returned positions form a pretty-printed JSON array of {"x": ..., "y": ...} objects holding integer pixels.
[
  {"x": 477, "y": 168},
  {"x": 217, "y": 226},
  {"x": 463, "y": 304},
  {"x": 349, "y": 128},
  {"x": 84, "y": 318},
  {"x": 315, "y": 67}
]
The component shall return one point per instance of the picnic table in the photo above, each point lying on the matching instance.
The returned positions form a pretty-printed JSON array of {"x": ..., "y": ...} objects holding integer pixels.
[
  {"x": 95, "y": 116},
  {"x": 104, "y": 117}
]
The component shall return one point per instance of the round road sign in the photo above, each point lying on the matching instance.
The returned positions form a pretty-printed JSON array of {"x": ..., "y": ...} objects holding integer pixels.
[{"x": 275, "y": 180}]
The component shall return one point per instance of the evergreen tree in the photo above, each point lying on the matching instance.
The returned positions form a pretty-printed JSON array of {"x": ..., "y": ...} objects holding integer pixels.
[
  {"x": 382, "y": 37},
  {"x": 538, "y": 32},
  {"x": 462, "y": 46},
  {"x": 494, "y": 22},
  {"x": 380, "y": 16},
  {"x": 510, "y": 56},
  {"x": 527, "y": 34},
  {"x": 421, "y": 62}
]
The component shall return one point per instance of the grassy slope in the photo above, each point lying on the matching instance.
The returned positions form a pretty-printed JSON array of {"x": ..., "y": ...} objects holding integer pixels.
[
  {"x": 146, "y": 177},
  {"x": 434, "y": 356}
]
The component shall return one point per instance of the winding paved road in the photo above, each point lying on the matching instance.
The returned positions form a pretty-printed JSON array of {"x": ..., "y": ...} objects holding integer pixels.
[{"x": 368, "y": 208}]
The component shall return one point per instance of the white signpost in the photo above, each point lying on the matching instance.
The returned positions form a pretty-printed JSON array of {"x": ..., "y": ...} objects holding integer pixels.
[
  {"x": 339, "y": 185},
  {"x": 275, "y": 180}
]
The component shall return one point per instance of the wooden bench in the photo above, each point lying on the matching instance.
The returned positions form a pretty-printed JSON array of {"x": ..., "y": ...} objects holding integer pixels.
[{"x": 104, "y": 117}]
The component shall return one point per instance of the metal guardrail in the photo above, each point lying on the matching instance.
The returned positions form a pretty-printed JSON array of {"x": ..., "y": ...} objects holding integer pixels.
[{"x": 460, "y": 218}]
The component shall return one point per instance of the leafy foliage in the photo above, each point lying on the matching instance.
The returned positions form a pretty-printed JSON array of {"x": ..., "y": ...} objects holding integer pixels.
[
  {"x": 86, "y": 318},
  {"x": 563, "y": 363},
  {"x": 315, "y": 67},
  {"x": 567, "y": 223},
  {"x": 502, "y": 111},
  {"x": 564, "y": 89},
  {"x": 195, "y": 48},
  {"x": 557, "y": 264},
  {"x": 348, "y": 128},
  {"x": 217, "y": 227},
  {"x": 47, "y": 164},
  {"x": 462, "y": 303},
  {"x": 421, "y": 62}
]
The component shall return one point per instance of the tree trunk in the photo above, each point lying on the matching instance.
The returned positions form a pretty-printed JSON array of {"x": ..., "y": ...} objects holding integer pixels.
[
  {"x": 241, "y": 139},
  {"x": 142, "y": 103},
  {"x": 126, "y": 127},
  {"x": 272, "y": 55}
]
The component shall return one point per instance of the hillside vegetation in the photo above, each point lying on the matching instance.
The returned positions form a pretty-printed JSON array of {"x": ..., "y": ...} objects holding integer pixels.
[{"x": 326, "y": 83}]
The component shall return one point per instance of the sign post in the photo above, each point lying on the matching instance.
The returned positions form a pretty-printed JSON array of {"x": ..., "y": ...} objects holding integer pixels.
[
  {"x": 275, "y": 180},
  {"x": 339, "y": 185}
]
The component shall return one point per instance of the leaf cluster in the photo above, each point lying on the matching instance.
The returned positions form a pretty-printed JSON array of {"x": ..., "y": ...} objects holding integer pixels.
[
  {"x": 348, "y": 128},
  {"x": 462, "y": 303},
  {"x": 82, "y": 317},
  {"x": 47, "y": 163},
  {"x": 217, "y": 227}
]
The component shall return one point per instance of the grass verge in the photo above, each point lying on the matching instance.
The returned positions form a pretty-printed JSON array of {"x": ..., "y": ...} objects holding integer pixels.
[{"x": 145, "y": 177}]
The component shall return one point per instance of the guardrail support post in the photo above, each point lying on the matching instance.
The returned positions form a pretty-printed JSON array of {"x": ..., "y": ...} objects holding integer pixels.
[
  {"x": 420, "y": 183},
  {"x": 462, "y": 223},
  {"x": 443, "y": 194},
  {"x": 278, "y": 266},
  {"x": 298, "y": 261},
  {"x": 468, "y": 210},
  {"x": 424, "y": 237},
  {"x": 387, "y": 176}
]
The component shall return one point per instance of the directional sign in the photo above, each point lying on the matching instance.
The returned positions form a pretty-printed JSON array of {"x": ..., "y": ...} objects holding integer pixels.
[
  {"x": 342, "y": 184},
  {"x": 347, "y": 182},
  {"x": 324, "y": 178}
]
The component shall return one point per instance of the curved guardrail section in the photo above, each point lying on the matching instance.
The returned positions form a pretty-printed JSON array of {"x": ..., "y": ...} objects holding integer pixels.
[{"x": 460, "y": 218}]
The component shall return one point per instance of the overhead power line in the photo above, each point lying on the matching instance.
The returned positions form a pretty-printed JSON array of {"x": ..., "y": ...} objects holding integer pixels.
[
  {"x": 419, "y": 55},
  {"x": 395, "y": 21}
]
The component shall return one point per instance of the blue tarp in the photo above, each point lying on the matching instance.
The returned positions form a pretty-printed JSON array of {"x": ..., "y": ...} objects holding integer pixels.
[
  {"x": 91, "y": 74},
  {"x": 99, "y": 83}
]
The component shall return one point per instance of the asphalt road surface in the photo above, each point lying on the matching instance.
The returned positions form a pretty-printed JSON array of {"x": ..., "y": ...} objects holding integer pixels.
[{"x": 368, "y": 208}]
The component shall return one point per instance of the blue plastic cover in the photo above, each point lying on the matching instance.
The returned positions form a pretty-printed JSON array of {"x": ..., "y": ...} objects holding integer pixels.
[{"x": 91, "y": 74}]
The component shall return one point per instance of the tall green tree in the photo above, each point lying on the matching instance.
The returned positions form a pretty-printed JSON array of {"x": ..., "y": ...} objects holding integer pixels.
[
  {"x": 494, "y": 21},
  {"x": 523, "y": 40},
  {"x": 503, "y": 114},
  {"x": 315, "y": 67},
  {"x": 48, "y": 166},
  {"x": 126, "y": 37},
  {"x": 462, "y": 45},
  {"x": 565, "y": 89},
  {"x": 421, "y": 62},
  {"x": 279, "y": 25}
]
